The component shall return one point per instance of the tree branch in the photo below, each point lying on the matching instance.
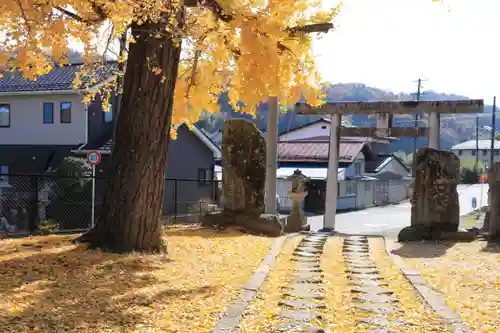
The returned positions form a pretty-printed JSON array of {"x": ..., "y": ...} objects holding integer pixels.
[
  {"x": 213, "y": 6},
  {"x": 310, "y": 28}
]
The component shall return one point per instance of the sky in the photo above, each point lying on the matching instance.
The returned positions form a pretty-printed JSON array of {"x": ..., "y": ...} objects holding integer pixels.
[{"x": 389, "y": 44}]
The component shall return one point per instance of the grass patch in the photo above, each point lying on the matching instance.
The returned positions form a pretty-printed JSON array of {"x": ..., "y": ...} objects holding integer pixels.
[
  {"x": 468, "y": 276},
  {"x": 48, "y": 284},
  {"x": 413, "y": 313}
]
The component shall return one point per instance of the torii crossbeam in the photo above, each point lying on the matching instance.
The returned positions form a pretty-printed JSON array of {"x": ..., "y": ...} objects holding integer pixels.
[{"x": 384, "y": 112}]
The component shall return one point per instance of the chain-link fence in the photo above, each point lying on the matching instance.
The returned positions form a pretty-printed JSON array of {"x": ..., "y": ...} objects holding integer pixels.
[
  {"x": 32, "y": 202},
  {"x": 188, "y": 199}
]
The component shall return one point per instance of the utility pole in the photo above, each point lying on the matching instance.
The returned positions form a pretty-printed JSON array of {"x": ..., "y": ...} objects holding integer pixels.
[
  {"x": 417, "y": 98},
  {"x": 493, "y": 121},
  {"x": 477, "y": 143}
]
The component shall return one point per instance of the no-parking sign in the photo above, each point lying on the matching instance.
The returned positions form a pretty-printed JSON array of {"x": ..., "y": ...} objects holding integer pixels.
[{"x": 93, "y": 158}]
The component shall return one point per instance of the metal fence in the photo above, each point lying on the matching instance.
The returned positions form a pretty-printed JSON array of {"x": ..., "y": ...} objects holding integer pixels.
[{"x": 30, "y": 202}]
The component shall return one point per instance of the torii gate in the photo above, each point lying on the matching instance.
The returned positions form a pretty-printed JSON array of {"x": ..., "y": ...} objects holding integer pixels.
[{"x": 384, "y": 112}]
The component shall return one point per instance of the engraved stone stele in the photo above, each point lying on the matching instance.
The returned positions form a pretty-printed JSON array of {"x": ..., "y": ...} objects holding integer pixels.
[
  {"x": 434, "y": 200},
  {"x": 244, "y": 167},
  {"x": 493, "y": 227},
  {"x": 296, "y": 221},
  {"x": 243, "y": 179}
]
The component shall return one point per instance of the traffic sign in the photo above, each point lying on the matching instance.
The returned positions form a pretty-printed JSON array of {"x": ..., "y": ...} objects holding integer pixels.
[
  {"x": 93, "y": 158},
  {"x": 474, "y": 202}
]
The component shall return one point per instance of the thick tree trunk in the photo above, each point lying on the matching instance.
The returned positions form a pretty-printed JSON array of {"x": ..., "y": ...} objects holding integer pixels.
[{"x": 130, "y": 219}]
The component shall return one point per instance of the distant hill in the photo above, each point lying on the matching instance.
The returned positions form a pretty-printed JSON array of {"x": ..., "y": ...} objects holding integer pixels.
[{"x": 454, "y": 128}]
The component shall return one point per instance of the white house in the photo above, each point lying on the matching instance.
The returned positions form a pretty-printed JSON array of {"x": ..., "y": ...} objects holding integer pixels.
[{"x": 468, "y": 150}]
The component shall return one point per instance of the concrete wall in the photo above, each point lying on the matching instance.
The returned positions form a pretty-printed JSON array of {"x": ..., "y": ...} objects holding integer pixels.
[
  {"x": 187, "y": 155},
  {"x": 365, "y": 193},
  {"x": 26, "y": 121},
  {"x": 314, "y": 130}
]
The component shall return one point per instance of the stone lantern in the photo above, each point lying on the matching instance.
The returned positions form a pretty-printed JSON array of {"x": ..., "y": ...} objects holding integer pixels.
[{"x": 296, "y": 221}]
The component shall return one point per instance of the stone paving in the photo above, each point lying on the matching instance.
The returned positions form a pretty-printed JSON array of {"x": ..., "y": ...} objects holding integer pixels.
[
  {"x": 302, "y": 297},
  {"x": 371, "y": 293}
]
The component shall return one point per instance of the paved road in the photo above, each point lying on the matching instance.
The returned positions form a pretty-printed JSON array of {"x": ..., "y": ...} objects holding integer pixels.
[{"x": 389, "y": 220}]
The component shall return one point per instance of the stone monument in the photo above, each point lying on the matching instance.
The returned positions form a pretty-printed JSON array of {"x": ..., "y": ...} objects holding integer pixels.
[
  {"x": 296, "y": 221},
  {"x": 493, "y": 227},
  {"x": 243, "y": 179},
  {"x": 434, "y": 198}
]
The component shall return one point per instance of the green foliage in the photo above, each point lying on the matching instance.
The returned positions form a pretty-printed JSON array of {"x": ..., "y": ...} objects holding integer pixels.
[
  {"x": 48, "y": 227},
  {"x": 470, "y": 163},
  {"x": 72, "y": 193},
  {"x": 74, "y": 167},
  {"x": 469, "y": 176},
  {"x": 470, "y": 171}
]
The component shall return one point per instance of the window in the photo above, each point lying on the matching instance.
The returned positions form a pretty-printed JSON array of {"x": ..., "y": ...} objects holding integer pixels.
[
  {"x": 485, "y": 152},
  {"x": 4, "y": 177},
  {"x": 48, "y": 113},
  {"x": 367, "y": 187},
  {"x": 108, "y": 116},
  {"x": 460, "y": 153},
  {"x": 473, "y": 153},
  {"x": 204, "y": 177},
  {"x": 4, "y": 115},
  {"x": 497, "y": 152},
  {"x": 65, "y": 112},
  {"x": 357, "y": 169},
  {"x": 350, "y": 189},
  {"x": 338, "y": 189}
]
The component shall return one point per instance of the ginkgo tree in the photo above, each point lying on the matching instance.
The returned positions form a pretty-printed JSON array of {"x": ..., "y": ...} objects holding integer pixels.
[{"x": 180, "y": 56}]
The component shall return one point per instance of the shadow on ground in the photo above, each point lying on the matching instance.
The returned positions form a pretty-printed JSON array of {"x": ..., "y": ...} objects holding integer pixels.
[
  {"x": 492, "y": 247},
  {"x": 423, "y": 249},
  {"x": 72, "y": 289},
  {"x": 199, "y": 231}
]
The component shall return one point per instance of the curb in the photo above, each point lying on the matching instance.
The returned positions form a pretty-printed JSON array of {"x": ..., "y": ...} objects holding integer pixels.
[
  {"x": 435, "y": 301},
  {"x": 231, "y": 318}
]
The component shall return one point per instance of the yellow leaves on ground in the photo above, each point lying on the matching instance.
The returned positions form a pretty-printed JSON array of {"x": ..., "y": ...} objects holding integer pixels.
[
  {"x": 339, "y": 314},
  {"x": 413, "y": 312},
  {"x": 245, "y": 47},
  {"x": 260, "y": 315},
  {"x": 48, "y": 284},
  {"x": 468, "y": 275}
]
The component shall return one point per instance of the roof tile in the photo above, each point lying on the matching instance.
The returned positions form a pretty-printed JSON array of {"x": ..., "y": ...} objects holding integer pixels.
[
  {"x": 316, "y": 151},
  {"x": 60, "y": 78}
]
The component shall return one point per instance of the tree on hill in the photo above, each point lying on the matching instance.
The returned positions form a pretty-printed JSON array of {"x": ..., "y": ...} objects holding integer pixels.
[{"x": 180, "y": 56}]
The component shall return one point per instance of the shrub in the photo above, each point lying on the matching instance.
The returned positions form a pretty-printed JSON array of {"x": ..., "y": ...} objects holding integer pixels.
[
  {"x": 469, "y": 176},
  {"x": 71, "y": 196}
]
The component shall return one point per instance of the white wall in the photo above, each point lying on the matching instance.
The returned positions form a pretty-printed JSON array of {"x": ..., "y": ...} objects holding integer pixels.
[
  {"x": 26, "y": 121},
  {"x": 396, "y": 167},
  {"x": 484, "y": 155},
  {"x": 365, "y": 193},
  {"x": 350, "y": 170},
  {"x": 311, "y": 131}
]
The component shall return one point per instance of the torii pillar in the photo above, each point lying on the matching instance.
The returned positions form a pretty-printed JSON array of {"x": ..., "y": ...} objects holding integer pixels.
[{"x": 384, "y": 112}]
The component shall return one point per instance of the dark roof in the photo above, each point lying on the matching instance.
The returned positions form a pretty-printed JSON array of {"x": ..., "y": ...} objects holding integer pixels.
[
  {"x": 316, "y": 151},
  {"x": 372, "y": 165},
  {"x": 60, "y": 78}
]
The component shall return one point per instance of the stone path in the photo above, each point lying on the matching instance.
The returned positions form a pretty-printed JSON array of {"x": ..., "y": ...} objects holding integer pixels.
[
  {"x": 371, "y": 292},
  {"x": 302, "y": 297}
]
